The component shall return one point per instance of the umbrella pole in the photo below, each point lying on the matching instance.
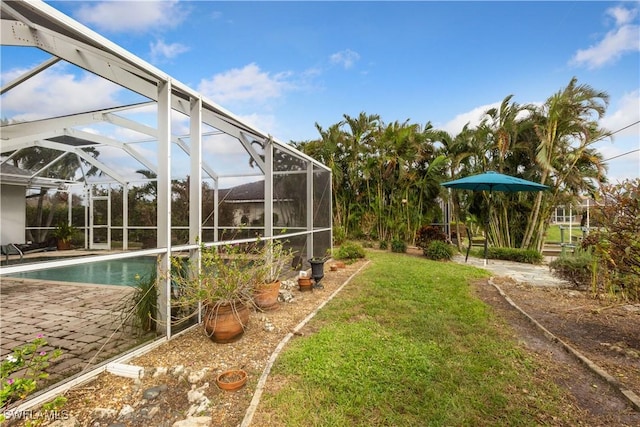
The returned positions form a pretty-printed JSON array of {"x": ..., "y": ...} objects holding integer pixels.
[
  {"x": 486, "y": 229},
  {"x": 486, "y": 238}
]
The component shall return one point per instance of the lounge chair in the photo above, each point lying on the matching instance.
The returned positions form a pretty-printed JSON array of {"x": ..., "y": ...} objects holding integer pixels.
[{"x": 28, "y": 248}]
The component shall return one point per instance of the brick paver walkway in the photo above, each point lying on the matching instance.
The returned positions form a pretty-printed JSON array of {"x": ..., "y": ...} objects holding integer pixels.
[{"x": 79, "y": 319}]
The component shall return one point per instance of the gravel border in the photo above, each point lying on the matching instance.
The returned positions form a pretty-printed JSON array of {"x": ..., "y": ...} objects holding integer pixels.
[{"x": 255, "y": 401}]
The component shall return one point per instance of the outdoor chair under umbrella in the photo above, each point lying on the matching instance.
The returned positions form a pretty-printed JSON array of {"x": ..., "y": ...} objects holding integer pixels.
[{"x": 493, "y": 181}]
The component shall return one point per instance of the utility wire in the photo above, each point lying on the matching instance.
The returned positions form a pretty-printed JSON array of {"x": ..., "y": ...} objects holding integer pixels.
[
  {"x": 613, "y": 133},
  {"x": 616, "y": 131},
  {"x": 623, "y": 128},
  {"x": 620, "y": 155}
]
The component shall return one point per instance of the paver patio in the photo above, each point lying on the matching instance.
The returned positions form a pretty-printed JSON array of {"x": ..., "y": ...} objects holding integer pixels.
[{"x": 82, "y": 320}]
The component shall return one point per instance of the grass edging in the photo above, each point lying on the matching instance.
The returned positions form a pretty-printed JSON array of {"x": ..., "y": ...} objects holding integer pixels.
[
  {"x": 627, "y": 394},
  {"x": 255, "y": 401}
]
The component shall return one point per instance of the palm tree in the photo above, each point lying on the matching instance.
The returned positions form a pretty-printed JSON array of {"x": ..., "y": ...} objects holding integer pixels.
[
  {"x": 504, "y": 126},
  {"x": 358, "y": 143},
  {"x": 330, "y": 150},
  {"x": 456, "y": 150},
  {"x": 52, "y": 164},
  {"x": 566, "y": 126}
]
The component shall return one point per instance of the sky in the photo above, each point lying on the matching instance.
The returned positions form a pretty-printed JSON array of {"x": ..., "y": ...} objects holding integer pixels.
[{"x": 285, "y": 66}]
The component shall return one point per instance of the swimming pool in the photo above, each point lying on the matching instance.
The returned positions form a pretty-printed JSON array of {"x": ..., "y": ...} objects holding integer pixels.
[{"x": 114, "y": 272}]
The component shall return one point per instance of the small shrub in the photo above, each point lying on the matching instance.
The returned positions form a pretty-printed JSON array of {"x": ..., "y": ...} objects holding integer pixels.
[
  {"x": 23, "y": 370},
  {"x": 576, "y": 268},
  {"x": 339, "y": 236},
  {"x": 398, "y": 246},
  {"x": 428, "y": 234},
  {"x": 145, "y": 300},
  {"x": 615, "y": 241},
  {"x": 439, "y": 250},
  {"x": 384, "y": 245},
  {"x": 349, "y": 250},
  {"x": 528, "y": 256}
]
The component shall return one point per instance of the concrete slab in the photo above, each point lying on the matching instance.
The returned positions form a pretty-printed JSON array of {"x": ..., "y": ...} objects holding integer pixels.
[{"x": 535, "y": 275}]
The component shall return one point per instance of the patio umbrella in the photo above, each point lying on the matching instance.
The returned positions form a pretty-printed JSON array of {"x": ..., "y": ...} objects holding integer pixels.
[{"x": 493, "y": 181}]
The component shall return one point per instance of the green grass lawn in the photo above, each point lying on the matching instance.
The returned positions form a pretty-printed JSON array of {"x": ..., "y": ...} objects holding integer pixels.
[
  {"x": 553, "y": 233},
  {"x": 407, "y": 344}
]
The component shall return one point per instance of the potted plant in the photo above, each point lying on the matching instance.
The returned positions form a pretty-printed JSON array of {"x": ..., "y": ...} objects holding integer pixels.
[
  {"x": 224, "y": 286},
  {"x": 63, "y": 233},
  {"x": 274, "y": 257}
]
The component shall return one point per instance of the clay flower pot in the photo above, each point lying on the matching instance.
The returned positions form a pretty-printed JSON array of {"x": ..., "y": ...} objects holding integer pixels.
[
  {"x": 225, "y": 323},
  {"x": 231, "y": 380},
  {"x": 305, "y": 284},
  {"x": 265, "y": 295}
]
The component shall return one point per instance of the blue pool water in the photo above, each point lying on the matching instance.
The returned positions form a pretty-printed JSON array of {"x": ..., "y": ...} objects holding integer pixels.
[{"x": 117, "y": 272}]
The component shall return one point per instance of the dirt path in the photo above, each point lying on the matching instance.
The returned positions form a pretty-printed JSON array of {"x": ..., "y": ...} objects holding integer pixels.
[{"x": 578, "y": 321}]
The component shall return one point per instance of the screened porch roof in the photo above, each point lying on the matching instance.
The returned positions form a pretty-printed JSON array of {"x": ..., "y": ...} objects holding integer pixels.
[{"x": 98, "y": 139}]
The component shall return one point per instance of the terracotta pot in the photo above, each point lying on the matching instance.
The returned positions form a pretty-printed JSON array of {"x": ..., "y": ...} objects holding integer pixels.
[
  {"x": 305, "y": 284},
  {"x": 265, "y": 296},
  {"x": 63, "y": 245},
  {"x": 231, "y": 380},
  {"x": 225, "y": 323},
  {"x": 333, "y": 267}
]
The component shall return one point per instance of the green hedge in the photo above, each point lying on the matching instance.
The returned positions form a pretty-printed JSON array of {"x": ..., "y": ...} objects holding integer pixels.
[{"x": 528, "y": 256}]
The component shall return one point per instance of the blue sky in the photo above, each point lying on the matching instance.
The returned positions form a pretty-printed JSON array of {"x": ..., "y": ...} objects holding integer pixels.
[{"x": 283, "y": 66}]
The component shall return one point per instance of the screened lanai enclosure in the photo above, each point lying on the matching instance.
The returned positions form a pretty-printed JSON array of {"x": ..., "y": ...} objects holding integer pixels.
[{"x": 152, "y": 171}]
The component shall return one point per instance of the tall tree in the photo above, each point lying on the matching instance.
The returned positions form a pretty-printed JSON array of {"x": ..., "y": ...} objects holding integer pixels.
[
  {"x": 566, "y": 126},
  {"x": 456, "y": 150},
  {"x": 52, "y": 164},
  {"x": 330, "y": 150},
  {"x": 503, "y": 127},
  {"x": 359, "y": 138}
]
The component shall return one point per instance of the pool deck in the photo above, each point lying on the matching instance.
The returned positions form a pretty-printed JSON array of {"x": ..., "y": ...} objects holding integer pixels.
[{"x": 83, "y": 320}]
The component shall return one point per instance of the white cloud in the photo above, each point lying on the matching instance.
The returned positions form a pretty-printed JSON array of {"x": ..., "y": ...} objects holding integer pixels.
[
  {"x": 626, "y": 113},
  {"x": 160, "y": 50},
  {"x": 347, "y": 58},
  {"x": 55, "y": 92},
  {"x": 246, "y": 85},
  {"x": 622, "y": 15},
  {"x": 263, "y": 122},
  {"x": 620, "y": 40},
  {"x": 621, "y": 150},
  {"x": 473, "y": 117},
  {"x": 132, "y": 16}
]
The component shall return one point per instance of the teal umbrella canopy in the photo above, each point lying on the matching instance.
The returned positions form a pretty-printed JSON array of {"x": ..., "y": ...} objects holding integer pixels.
[{"x": 494, "y": 181}]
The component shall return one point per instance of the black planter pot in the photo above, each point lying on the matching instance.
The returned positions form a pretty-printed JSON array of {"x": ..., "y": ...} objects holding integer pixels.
[{"x": 317, "y": 271}]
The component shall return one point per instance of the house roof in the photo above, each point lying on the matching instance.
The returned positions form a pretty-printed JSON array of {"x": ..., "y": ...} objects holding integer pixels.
[
  {"x": 12, "y": 175},
  {"x": 252, "y": 191},
  {"x": 246, "y": 193}
]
